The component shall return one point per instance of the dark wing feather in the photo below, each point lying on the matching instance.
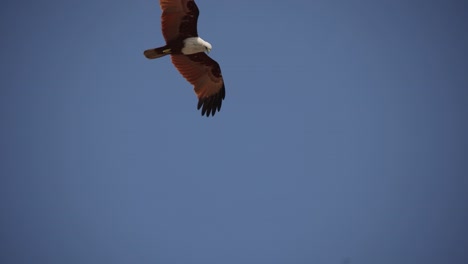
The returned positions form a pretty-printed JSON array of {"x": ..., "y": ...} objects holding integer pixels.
[
  {"x": 205, "y": 75},
  {"x": 179, "y": 19}
]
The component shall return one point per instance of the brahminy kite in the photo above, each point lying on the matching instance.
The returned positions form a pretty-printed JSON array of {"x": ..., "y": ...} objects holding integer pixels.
[{"x": 187, "y": 50}]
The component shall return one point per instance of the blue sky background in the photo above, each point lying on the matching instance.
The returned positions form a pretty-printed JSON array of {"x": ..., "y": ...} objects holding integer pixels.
[{"x": 342, "y": 139}]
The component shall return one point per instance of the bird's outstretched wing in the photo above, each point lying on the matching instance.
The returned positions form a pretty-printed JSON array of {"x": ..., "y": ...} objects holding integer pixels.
[
  {"x": 179, "y": 19},
  {"x": 205, "y": 75}
]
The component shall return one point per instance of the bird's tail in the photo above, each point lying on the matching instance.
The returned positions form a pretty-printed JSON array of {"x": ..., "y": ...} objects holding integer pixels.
[{"x": 157, "y": 52}]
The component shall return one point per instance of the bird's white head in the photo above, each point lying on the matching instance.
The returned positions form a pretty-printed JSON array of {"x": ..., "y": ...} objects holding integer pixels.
[
  {"x": 194, "y": 45},
  {"x": 207, "y": 46}
]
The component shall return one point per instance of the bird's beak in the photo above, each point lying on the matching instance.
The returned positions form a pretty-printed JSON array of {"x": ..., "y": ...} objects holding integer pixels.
[{"x": 208, "y": 51}]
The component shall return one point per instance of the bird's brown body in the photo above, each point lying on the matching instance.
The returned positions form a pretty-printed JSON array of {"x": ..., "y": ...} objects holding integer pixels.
[{"x": 187, "y": 50}]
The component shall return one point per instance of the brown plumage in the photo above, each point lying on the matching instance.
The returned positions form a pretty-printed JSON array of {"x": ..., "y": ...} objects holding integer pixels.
[{"x": 187, "y": 50}]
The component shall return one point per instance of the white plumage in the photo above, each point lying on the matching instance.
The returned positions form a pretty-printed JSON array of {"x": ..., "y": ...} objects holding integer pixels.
[{"x": 194, "y": 45}]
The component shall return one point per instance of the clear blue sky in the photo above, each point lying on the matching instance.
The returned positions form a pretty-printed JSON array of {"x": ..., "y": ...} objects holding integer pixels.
[{"x": 342, "y": 139}]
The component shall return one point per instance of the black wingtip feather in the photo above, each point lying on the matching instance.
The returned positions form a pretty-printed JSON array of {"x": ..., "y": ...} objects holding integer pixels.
[{"x": 210, "y": 105}]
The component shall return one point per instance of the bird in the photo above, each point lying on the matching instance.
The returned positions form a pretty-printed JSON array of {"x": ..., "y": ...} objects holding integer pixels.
[{"x": 189, "y": 53}]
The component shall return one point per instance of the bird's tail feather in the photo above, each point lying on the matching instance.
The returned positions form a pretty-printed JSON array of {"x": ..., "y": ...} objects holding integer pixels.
[{"x": 157, "y": 52}]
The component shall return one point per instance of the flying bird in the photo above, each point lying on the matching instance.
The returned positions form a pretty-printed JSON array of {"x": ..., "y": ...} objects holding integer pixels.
[{"x": 189, "y": 53}]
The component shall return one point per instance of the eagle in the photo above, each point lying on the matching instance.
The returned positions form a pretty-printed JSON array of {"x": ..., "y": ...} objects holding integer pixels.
[{"x": 189, "y": 53}]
